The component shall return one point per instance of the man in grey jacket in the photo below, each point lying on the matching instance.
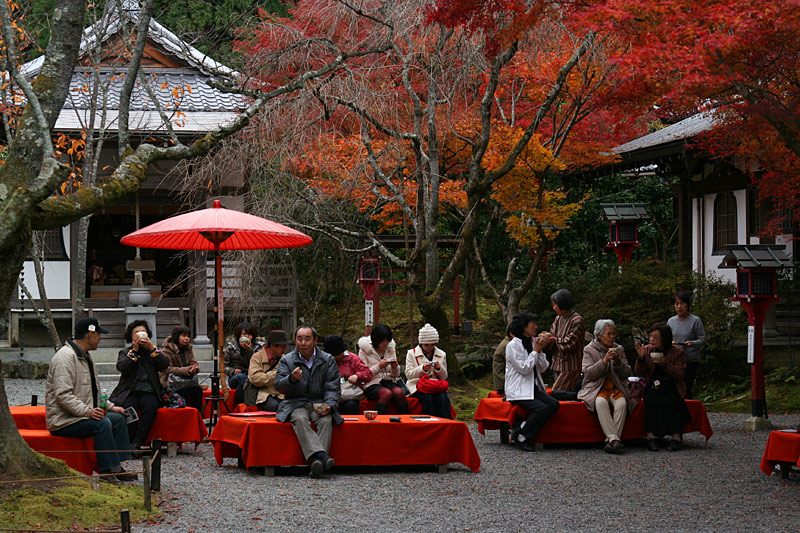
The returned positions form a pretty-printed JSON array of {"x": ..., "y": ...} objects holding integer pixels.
[
  {"x": 309, "y": 380},
  {"x": 73, "y": 403}
]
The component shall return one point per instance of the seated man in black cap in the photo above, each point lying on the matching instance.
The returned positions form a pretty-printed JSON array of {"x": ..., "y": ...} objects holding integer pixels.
[
  {"x": 73, "y": 406},
  {"x": 262, "y": 371}
]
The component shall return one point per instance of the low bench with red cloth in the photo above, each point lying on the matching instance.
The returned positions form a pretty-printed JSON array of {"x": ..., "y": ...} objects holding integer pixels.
[
  {"x": 783, "y": 447},
  {"x": 573, "y": 422},
  {"x": 171, "y": 425},
  {"x": 267, "y": 442},
  {"x": 31, "y": 424}
]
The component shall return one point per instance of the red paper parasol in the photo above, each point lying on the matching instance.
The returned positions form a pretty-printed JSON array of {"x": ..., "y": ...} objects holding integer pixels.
[
  {"x": 203, "y": 229},
  {"x": 217, "y": 229}
]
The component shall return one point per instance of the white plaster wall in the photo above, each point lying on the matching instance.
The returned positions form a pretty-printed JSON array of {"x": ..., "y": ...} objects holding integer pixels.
[
  {"x": 56, "y": 275},
  {"x": 703, "y": 244}
]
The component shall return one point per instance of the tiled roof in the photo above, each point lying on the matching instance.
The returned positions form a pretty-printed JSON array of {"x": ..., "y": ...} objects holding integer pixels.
[
  {"x": 193, "y": 91},
  {"x": 624, "y": 212},
  {"x": 685, "y": 129},
  {"x": 755, "y": 256},
  {"x": 204, "y": 107}
]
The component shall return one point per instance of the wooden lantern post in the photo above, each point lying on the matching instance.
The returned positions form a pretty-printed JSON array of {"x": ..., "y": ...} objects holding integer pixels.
[
  {"x": 756, "y": 266},
  {"x": 623, "y": 222},
  {"x": 369, "y": 276}
]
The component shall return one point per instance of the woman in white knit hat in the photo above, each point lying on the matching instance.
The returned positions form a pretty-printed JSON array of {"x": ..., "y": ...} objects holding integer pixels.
[{"x": 428, "y": 360}]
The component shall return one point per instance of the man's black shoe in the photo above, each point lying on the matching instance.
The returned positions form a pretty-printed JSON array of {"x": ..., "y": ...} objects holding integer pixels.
[
  {"x": 327, "y": 461},
  {"x": 122, "y": 475},
  {"x": 317, "y": 468}
]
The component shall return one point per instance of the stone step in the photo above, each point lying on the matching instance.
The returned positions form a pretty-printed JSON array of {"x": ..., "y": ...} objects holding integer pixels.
[{"x": 110, "y": 369}]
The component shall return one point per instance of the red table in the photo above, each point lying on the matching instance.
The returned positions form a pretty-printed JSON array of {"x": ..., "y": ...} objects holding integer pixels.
[
  {"x": 782, "y": 447},
  {"x": 414, "y": 408},
  {"x": 267, "y": 442},
  {"x": 178, "y": 425},
  {"x": 574, "y": 423}
]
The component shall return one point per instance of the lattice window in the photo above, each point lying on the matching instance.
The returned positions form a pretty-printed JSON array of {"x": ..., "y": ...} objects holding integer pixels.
[
  {"x": 51, "y": 245},
  {"x": 724, "y": 221}
]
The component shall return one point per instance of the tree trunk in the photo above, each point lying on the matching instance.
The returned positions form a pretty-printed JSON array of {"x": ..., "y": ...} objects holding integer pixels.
[
  {"x": 79, "y": 261},
  {"x": 48, "y": 312},
  {"x": 470, "y": 288}
]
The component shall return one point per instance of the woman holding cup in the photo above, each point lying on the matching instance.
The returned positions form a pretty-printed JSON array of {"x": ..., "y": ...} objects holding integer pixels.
[
  {"x": 663, "y": 367},
  {"x": 604, "y": 390},
  {"x": 378, "y": 352},
  {"x": 139, "y": 383},
  {"x": 238, "y": 352}
]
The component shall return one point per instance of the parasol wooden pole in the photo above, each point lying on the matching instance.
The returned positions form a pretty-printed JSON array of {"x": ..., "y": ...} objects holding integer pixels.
[{"x": 218, "y": 304}]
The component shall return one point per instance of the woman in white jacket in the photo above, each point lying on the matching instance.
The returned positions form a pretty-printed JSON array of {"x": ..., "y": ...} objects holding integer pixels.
[
  {"x": 428, "y": 360},
  {"x": 378, "y": 353},
  {"x": 525, "y": 362}
]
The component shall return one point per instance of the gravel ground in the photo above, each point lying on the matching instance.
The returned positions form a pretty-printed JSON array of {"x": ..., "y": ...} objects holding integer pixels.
[{"x": 713, "y": 487}]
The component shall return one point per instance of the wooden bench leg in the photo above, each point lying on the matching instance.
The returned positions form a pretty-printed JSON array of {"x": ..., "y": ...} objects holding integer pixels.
[
  {"x": 539, "y": 446},
  {"x": 172, "y": 449},
  {"x": 269, "y": 471},
  {"x": 441, "y": 469},
  {"x": 785, "y": 468},
  {"x": 505, "y": 432}
]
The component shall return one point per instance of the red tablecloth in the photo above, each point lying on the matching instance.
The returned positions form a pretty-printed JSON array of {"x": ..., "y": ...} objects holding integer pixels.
[
  {"x": 228, "y": 402},
  {"x": 267, "y": 442},
  {"x": 29, "y": 417},
  {"x": 782, "y": 447},
  {"x": 414, "y": 407},
  {"x": 178, "y": 425},
  {"x": 574, "y": 423}
]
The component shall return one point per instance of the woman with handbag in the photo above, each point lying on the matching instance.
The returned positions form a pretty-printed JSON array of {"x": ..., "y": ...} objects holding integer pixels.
[
  {"x": 605, "y": 387},
  {"x": 183, "y": 367},
  {"x": 378, "y": 352},
  {"x": 139, "y": 384},
  {"x": 426, "y": 373},
  {"x": 663, "y": 367},
  {"x": 354, "y": 373}
]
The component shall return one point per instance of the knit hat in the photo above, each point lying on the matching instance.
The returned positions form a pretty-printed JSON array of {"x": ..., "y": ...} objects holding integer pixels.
[{"x": 428, "y": 335}]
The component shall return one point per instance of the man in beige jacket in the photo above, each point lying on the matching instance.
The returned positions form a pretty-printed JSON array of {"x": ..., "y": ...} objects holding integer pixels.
[{"x": 73, "y": 401}]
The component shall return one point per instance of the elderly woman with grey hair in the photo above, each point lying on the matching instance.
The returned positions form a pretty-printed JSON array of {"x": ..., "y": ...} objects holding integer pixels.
[{"x": 605, "y": 388}]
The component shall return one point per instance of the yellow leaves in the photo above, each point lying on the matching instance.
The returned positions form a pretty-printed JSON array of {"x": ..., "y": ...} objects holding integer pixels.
[{"x": 532, "y": 210}]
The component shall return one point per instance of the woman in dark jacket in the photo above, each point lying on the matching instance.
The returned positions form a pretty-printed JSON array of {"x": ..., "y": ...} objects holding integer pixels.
[
  {"x": 139, "y": 385},
  {"x": 238, "y": 352},
  {"x": 182, "y": 362},
  {"x": 663, "y": 366}
]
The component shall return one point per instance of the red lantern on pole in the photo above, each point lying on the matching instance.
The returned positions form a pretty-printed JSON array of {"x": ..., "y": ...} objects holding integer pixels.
[
  {"x": 623, "y": 227},
  {"x": 756, "y": 281},
  {"x": 369, "y": 276}
]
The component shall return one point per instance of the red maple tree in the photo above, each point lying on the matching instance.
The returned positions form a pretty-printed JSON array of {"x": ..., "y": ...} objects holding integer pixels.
[{"x": 737, "y": 57}]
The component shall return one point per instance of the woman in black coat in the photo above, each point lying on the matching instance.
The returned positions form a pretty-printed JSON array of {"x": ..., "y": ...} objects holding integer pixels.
[{"x": 139, "y": 385}]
